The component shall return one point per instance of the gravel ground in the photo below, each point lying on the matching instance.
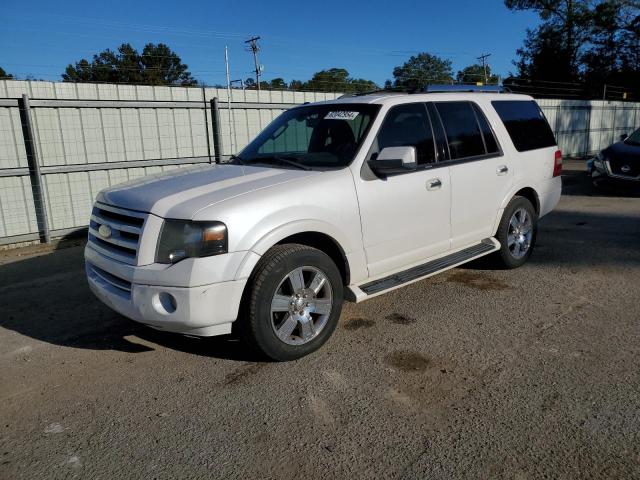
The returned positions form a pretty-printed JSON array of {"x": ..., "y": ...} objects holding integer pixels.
[{"x": 475, "y": 373}]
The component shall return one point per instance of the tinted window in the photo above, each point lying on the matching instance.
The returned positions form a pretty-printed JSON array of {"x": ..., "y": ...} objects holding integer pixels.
[
  {"x": 408, "y": 126},
  {"x": 463, "y": 133},
  {"x": 487, "y": 133},
  {"x": 526, "y": 124}
]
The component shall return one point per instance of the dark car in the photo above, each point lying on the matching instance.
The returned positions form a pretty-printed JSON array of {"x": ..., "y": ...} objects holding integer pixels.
[{"x": 619, "y": 163}]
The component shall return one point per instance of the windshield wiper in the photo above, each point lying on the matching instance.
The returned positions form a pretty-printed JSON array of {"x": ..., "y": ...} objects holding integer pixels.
[{"x": 282, "y": 159}]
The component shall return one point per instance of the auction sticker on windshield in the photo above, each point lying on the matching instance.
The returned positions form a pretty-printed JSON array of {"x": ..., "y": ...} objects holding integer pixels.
[{"x": 341, "y": 115}]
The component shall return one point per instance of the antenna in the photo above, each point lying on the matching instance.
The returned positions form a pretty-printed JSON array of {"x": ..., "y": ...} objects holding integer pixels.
[{"x": 255, "y": 48}]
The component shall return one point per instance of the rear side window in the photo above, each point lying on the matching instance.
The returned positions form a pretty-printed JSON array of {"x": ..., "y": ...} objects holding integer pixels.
[
  {"x": 460, "y": 125},
  {"x": 408, "y": 126},
  {"x": 526, "y": 124}
]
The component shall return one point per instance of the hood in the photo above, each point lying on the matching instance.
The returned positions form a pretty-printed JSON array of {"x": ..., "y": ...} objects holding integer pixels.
[
  {"x": 623, "y": 151},
  {"x": 181, "y": 193}
]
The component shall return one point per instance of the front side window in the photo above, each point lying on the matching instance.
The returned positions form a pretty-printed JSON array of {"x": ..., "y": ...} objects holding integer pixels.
[
  {"x": 525, "y": 123},
  {"x": 314, "y": 136},
  {"x": 408, "y": 126},
  {"x": 461, "y": 127}
]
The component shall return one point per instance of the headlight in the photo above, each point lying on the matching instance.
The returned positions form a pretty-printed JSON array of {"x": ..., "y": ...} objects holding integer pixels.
[{"x": 180, "y": 239}]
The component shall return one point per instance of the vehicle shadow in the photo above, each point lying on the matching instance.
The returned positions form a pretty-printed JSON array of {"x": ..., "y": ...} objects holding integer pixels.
[{"x": 45, "y": 296}]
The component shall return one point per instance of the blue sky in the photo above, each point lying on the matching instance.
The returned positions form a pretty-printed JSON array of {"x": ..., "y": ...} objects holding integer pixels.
[{"x": 40, "y": 38}]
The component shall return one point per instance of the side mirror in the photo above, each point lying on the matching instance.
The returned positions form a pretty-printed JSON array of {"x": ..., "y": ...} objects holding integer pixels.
[
  {"x": 394, "y": 160},
  {"x": 623, "y": 137}
]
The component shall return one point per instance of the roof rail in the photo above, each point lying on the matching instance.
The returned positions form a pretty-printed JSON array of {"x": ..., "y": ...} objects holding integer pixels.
[
  {"x": 465, "y": 88},
  {"x": 431, "y": 89},
  {"x": 382, "y": 91}
]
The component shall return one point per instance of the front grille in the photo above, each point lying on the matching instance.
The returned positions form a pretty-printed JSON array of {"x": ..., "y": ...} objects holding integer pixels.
[
  {"x": 121, "y": 239},
  {"x": 616, "y": 166}
]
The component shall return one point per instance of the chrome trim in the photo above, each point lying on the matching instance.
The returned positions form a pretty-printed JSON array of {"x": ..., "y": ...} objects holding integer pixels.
[
  {"x": 130, "y": 260},
  {"x": 132, "y": 224},
  {"x": 121, "y": 242},
  {"x": 123, "y": 227}
]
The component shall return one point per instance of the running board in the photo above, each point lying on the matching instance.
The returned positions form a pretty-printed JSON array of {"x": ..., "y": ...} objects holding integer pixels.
[{"x": 487, "y": 245}]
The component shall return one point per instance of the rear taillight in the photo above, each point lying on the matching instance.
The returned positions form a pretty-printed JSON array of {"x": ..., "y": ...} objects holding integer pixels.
[{"x": 557, "y": 164}]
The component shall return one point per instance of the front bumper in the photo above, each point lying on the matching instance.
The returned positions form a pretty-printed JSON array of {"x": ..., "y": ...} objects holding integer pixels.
[
  {"x": 202, "y": 310},
  {"x": 600, "y": 171}
]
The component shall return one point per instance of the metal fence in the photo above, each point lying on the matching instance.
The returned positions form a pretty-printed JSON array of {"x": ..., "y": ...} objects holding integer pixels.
[{"x": 61, "y": 143}]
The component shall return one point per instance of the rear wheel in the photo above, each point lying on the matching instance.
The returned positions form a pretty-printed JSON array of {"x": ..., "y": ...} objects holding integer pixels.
[
  {"x": 293, "y": 303},
  {"x": 516, "y": 233}
]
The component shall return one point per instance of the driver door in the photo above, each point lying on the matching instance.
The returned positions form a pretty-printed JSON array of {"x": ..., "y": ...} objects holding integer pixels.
[{"x": 405, "y": 217}]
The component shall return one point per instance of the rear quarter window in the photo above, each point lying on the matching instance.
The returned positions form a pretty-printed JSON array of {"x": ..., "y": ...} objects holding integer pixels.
[{"x": 525, "y": 123}]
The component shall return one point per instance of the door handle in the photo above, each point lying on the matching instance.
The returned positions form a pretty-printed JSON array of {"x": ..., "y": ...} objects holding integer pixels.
[
  {"x": 502, "y": 170},
  {"x": 434, "y": 184}
]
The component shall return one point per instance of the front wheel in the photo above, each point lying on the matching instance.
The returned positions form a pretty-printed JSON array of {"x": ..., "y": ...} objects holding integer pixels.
[
  {"x": 293, "y": 302},
  {"x": 516, "y": 233}
]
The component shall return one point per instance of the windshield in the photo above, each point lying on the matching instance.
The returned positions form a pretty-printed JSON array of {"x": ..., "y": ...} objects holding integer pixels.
[
  {"x": 634, "y": 138},
  {"x": 314, "y": 136}
]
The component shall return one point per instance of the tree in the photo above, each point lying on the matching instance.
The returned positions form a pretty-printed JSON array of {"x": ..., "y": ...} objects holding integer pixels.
[
  {"x": 274, "y": 84},
  {"x": 278, "y": 84},
  {"x": 613, "y": 54},
  {"x": 157, "y": 65},
  {"x": 338, "y": 80},
  {"x": 476, "y": 73},
  {"x": 4, "y": 75},
  {"x": 296, "y": 85},
  {"x": 421, "y": 70},
  {"x": 554, "y": 47}
]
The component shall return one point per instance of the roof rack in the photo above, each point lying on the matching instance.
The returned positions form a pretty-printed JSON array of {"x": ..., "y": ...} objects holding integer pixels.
[
  {"x": 465, "y": 88},
  {"x": 383, "y": 91},
  {"x": 431, "y": 89}
]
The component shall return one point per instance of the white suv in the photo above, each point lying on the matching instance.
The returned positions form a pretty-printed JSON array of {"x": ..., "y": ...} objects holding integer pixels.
[{"x": 346, "y": 199}]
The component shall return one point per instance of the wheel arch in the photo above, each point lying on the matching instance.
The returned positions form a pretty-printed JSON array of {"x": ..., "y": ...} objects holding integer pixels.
[
  {"x": 531, "y": 195},
  {"x": 527, "y": 192},
  {"x": 318, "y": 235}
]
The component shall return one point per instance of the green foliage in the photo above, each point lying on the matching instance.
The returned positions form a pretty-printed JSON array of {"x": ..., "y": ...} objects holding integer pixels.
[
  {"x": 5, "y": 75},
  {"x": 157, "y": 65},
  {"x": 334, "y": 80},
  {"x": 421, "y": 70},
  {"x": 475, "y": 73},
  {"x": 592, "y": 40}
]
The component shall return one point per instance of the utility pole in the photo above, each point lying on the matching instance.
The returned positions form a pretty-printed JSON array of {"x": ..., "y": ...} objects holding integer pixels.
[
  {"x": 253, "y": 46},
  {"x": 232, "y": 120},
  {"x": 483, "y": 59}
]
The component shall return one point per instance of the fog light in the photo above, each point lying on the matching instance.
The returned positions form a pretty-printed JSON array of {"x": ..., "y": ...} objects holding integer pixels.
[{"x": 165, "y": 303}]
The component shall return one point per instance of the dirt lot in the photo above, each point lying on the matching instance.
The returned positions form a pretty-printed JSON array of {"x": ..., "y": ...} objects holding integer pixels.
[{"x": 476, "y": 373}]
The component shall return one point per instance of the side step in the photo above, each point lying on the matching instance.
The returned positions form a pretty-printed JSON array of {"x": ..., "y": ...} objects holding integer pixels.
[{"x": 394, "y": 280}]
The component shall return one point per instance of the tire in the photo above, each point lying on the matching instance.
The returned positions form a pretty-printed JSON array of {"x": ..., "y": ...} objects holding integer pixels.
[
  {"x": 300, "y": 324},
  {"x": 512, "y": 253}
]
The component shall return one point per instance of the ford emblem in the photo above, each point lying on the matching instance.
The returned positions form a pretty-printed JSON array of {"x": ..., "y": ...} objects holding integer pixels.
[
  {"x": 625, "y": 169},
  {"x": 104, "y": 231}
]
